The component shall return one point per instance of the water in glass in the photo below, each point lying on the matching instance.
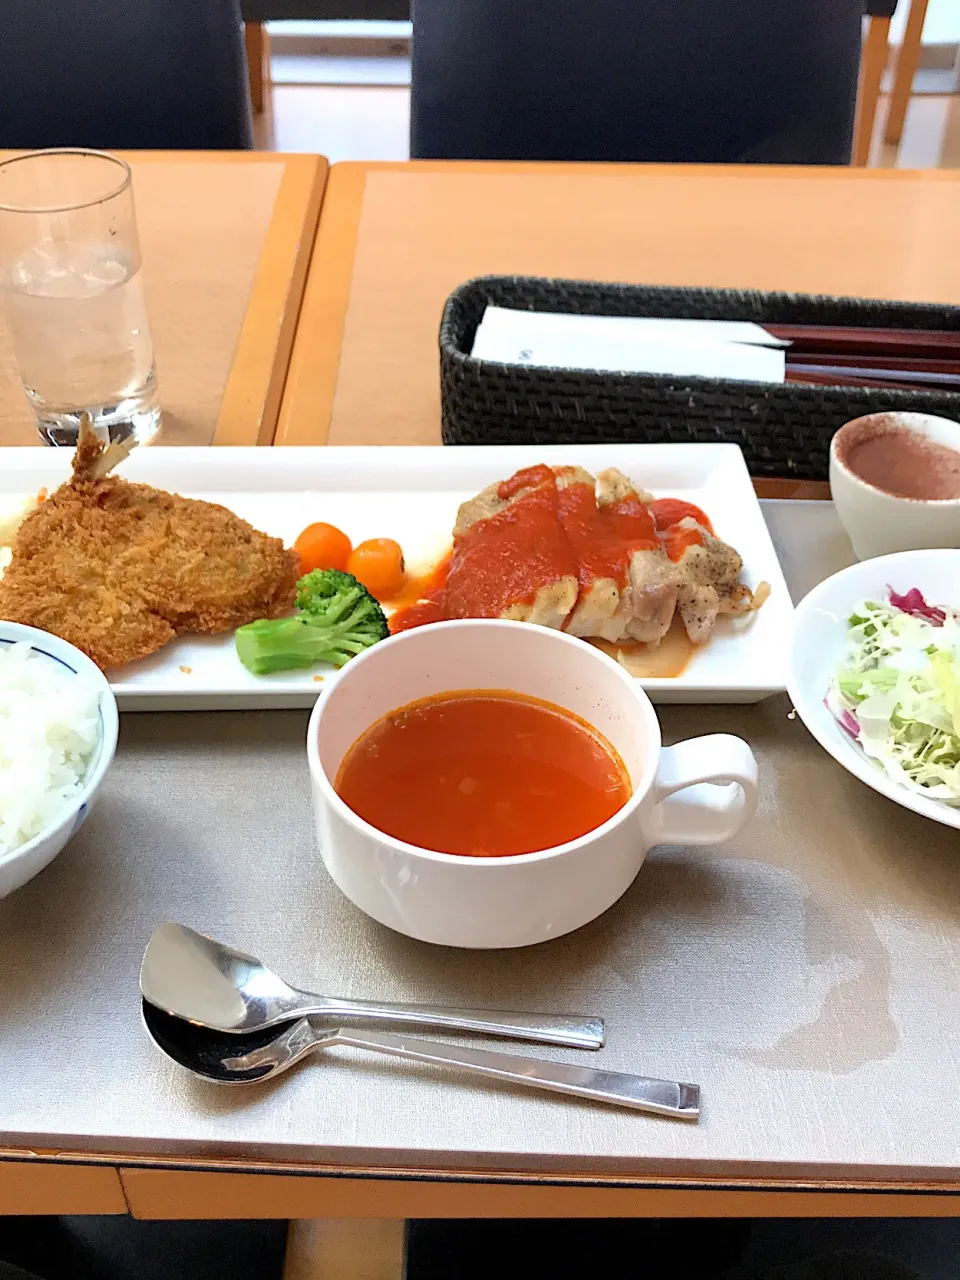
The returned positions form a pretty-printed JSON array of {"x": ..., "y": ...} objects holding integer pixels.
[{"x": 82, "y": 340}]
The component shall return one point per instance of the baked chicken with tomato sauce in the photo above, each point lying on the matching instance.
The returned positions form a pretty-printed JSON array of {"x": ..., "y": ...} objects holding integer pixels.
[{"x": 593, "y": 556}]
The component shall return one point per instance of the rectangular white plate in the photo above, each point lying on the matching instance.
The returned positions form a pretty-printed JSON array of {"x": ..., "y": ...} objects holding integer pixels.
[{"x": 412, "y": 495}]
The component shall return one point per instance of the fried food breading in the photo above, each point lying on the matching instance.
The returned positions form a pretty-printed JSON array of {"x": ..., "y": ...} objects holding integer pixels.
[{"x": 119, "y": 569}]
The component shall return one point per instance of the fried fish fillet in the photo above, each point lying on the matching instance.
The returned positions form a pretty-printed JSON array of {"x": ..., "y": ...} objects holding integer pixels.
[{"x": 120, "y": 569}]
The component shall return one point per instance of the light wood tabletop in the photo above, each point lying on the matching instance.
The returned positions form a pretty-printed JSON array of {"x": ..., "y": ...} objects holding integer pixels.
[
  {"x": 395, "y": 239},
  {"x": 226, "y": 239}
]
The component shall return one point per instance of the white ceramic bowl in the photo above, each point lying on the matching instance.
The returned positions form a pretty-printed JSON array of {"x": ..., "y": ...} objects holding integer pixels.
[
  {"x": 880, "y": 523},
  {"x": 515, "y": 901},
  {"x": 22, "y": 864},
  {"x": 819, "y": 644}
]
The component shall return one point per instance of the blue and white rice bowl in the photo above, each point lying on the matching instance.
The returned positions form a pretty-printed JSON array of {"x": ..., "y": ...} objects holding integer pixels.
[{"x": 23, "y": 861}]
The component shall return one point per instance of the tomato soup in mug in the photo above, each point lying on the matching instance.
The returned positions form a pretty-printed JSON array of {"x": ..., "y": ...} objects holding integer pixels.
[{"x": 484, "y": 773}]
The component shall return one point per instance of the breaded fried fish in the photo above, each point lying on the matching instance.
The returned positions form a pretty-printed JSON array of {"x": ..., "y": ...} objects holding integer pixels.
[{"x": 120, "y": 569}]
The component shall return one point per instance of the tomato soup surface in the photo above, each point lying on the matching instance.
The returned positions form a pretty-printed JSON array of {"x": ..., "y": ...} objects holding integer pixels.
[{"x": 486, "y": 773}]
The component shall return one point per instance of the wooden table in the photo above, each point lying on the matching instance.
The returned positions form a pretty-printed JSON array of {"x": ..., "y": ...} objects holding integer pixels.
[
  {"x": 395, "y": 239},
  {"x": 226, "y": 239}
]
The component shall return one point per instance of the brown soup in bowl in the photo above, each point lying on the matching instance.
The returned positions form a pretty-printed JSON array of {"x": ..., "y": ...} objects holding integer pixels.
[
  {"x": 483, "y": 773},
  {"x": 900, "y": 461}
]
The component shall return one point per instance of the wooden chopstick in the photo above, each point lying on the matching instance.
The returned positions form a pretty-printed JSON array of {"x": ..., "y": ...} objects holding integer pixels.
[
  {"x": 896, "y": 364},
  {"x": 821, "y": 379},
  {"x": 837, "y": 339},
  {"x": 882, "y": 377}
]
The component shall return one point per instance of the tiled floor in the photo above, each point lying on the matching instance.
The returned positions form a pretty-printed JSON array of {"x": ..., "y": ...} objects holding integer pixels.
[
  {"x": 361, "y": 122},
  {"x": 342, "y": 122},
  {"x": 340, "y": 70}
]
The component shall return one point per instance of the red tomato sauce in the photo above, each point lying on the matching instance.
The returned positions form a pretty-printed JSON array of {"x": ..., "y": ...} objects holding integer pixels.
[
  {"x": 603, "y": 538},
  {"x": 667, "y": 514},
  {"x": 506, "y": 558},
  {"x": 421, "y": 600},
  {"x": 483, "y": 773},
  {"x": 670, "y": 511},
  {"x": 525, "y": 478},
  {"x": 548, "y": 533}
]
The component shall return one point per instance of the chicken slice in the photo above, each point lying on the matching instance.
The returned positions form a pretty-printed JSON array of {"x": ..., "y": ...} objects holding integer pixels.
[
  {"x": 698, "y": 606},
  {"x": 510, "y": 556},
  {"x": 649, "y": 598},
  {"x": 710, "y": 572},
  {"x": 487, "y": 503},
  {"x": 550, "y": 606},
  {"x": 614, "y": 487},
  {"x": 597, "y": 611},
  {"x": 598, "y": 598}
]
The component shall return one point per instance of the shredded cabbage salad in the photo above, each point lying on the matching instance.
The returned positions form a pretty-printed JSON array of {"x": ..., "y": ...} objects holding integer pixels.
[{"x": 898, "y": 694}]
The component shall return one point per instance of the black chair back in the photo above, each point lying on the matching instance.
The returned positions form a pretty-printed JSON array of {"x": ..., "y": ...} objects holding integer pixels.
[
  {"x": 715, "y": 81},
  {"x": 123, "y": 74}
]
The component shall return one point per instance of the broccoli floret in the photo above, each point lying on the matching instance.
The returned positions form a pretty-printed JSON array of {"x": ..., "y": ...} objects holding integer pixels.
[
  {"x": 336, "y": 619},
  {"x": 316, "y": 590}
]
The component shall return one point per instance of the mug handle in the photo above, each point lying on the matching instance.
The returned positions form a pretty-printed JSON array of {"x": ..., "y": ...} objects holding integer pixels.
[{"x": 705, "y": 789}]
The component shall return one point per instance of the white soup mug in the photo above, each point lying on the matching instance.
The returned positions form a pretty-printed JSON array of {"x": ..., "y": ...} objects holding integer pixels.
[{"x": 698, "y": 792}]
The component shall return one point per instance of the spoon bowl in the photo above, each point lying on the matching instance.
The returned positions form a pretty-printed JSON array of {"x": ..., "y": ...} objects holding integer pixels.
[
  {"x": 213, "y": 1055},
  {"x": 201, "y": 1051}
]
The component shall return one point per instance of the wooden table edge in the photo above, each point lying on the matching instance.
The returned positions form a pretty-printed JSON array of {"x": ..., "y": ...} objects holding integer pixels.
[
  {"x": 920, "y": 1182},
  {"x": 158, "y": 1194},
  {"x": 311, "y": 383},
  {"x": 38, "y": 1187},
  {"x": 251, "y": 400},
  {"x": 165, "y": 1187},
  {"x": 696, "y": 171},
  {"x": 182, "y": 157}
]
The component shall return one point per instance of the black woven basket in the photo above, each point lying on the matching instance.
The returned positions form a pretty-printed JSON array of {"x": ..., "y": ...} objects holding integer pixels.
[{"x": 783, "y": 429}]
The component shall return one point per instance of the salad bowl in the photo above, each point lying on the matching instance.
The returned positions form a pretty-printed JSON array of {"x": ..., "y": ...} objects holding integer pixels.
[{"x": 874, "y": 674}]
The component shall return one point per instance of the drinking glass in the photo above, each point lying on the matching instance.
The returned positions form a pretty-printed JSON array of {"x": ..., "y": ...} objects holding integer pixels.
[{"x": 71, "y": 290}]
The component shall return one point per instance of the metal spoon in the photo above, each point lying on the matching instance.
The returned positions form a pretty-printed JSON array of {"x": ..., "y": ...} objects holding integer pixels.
[
  {"x": 212, "y": 1056},
  {"x": 210, "y": 984}
]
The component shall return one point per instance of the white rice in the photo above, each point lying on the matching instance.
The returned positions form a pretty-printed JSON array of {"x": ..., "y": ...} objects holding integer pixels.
[{"x": 49, "y": 730}]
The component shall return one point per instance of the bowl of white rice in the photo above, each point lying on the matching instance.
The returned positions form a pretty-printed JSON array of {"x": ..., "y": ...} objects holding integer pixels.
[{"x": 58, "y": 735}]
